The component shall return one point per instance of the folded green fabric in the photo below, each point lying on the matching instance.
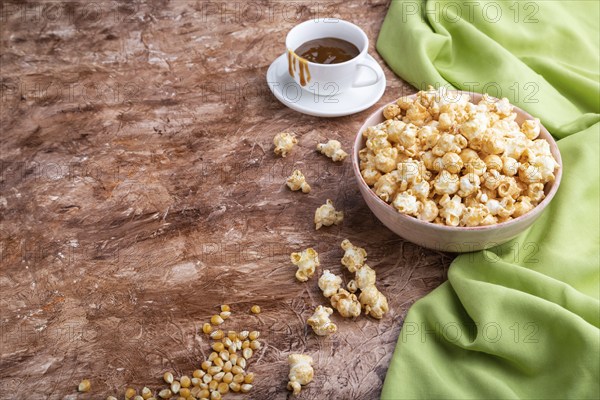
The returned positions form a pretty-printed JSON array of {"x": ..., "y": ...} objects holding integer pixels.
[{"x": 520, "y": 320}]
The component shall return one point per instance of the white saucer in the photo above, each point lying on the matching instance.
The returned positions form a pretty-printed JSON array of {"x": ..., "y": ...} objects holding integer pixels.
[{"x": 329, "y": 104}]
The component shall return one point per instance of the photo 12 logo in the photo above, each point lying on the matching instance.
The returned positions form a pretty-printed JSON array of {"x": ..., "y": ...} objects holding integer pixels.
[{"x": 455, "y": 332}]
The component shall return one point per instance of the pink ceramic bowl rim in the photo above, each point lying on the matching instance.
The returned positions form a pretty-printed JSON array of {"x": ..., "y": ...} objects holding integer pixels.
[{"x": 474, "y": 96}]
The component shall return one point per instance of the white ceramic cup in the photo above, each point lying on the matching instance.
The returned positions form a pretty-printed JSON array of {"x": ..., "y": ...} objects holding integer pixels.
[{"x": 325, "y": 78}]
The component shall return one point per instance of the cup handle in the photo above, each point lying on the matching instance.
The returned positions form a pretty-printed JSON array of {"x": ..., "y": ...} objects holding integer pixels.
[{"x": 376, "y": 70}]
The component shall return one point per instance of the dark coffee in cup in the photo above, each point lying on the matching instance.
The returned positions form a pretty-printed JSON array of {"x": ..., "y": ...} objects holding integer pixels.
[{"x": 328, "y": 50}]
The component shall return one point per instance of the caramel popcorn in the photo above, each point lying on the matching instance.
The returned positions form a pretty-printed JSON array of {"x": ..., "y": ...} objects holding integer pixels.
[
  {"x": 373, "y": 301},
  {"x": 333, "y": 150},
  {"x": 284, "y": 142},
  {"x": 370, "y": 298},
  {"x": 441, "y": 158},
  {"x": 306, "y": 261},
  {"x": 329, "y": 283},
  {"x": 321, "y": 323},
  {"x": 326, "y": 215},
  {"x": 346, "y": 303},
  {"x": 301, "y": 372},
  {"x": 364, "y": 277},
  {"x": 354, "y": 257},
  {"x": 297, "y": 181}
]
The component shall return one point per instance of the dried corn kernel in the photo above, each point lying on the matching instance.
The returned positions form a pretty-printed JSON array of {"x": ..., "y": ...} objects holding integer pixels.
[
  {"x": 185, "y": 381},
  {"x": 184, "y": 392},
  {"x": 255, "y": 309},
  {"x": 217, "y": 335},
  {"x": 237, "y": 370},
  {"x": 225, "y": 307},
  {"x": 255, "y": 345},
  {"x": 243, "y": 335},
  {"x": 214, "y": 370},
  {"x": 198, "y": 373},
  {"x": 215, "y": 395},
  {"x": 232, "y": 335},
  {"x": 218, "y": 346},
  {"x": 129, "y": 393},
  {"x": 227, "y": 366},
  {"x": 207, "y": 378},
  {"x": 216, "y": 320},
  {"x": 225, "y": 314},
  {"x": 301, "y": 371},
  {"x": 238, "y": 378},
  {"x": 249, "y": 378},
  {"x": 175, "y": 386},
  {"x": 203, "y": 394},
  {"x": 228, "y": 377},
  {"x": 233, "y": 358},
  {"x": 247, "y": 353},
  {"x": 223, "y": 388},
  {"x": 219, "y": 377},
  {"x": 213, "y": 385},
  {"x": 146, "y": 393},
  {"x": 207, "y": 328},
  {"x": 84, "y": 386},
  {"x": 253, "y": 335},
  {"x": 242, "y": 362},
  {"x": 219, "y": 362},
  {"x": 235, "y": 386},
  {"x": 224, "y": 355},
  {"x": 206, "y": 365},
  {"x": 165, "y": 394},
  {"x": 138, "y": 397},
  {"x": 213, "y": 356},
  {"x": 246, "y": 388}
]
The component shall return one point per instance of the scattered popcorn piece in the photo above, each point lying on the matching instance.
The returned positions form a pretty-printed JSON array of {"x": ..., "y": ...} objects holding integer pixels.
[
  {"x": 333, "y": 150},
  {"x": 329, "y": 283},
  {"x": 321, "y": 323},
  {"x": 84, "y": 386},
  {"x": 284, "y": 142},
  {"x": 297, "y": 181},
  {"x": 326, "y": 215},
  {"x": 441, "y": 158},
  {"x": 346, "y": 303},
  {"x": 365, "y": 277},
  {"x": 301, "y": 372},
  {"x": 306, "y": 261},
  {"x": 374, "y": 302},
  {"x": 354, "y": 256},
  {"x": 391, "y": 111}
]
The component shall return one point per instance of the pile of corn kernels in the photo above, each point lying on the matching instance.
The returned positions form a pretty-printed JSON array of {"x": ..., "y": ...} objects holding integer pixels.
[{"x": 222, "y": 372}]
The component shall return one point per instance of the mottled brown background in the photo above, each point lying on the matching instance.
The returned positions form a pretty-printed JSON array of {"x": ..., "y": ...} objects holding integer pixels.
[{"x": 139, "y": 191}]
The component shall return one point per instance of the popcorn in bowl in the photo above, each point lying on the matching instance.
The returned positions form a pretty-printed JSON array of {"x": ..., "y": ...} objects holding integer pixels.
[{"x": 440, "y": 158}]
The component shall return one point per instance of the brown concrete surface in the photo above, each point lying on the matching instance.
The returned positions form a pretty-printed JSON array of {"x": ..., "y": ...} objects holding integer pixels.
[{"x": 139, "y": 191}]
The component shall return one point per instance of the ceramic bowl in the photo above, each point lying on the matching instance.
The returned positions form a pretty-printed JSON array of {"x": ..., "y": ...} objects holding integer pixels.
[{"x": 448, "y": 238}]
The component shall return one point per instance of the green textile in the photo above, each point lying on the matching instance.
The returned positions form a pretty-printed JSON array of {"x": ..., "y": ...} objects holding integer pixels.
[{"x": 520, "y": 320}]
